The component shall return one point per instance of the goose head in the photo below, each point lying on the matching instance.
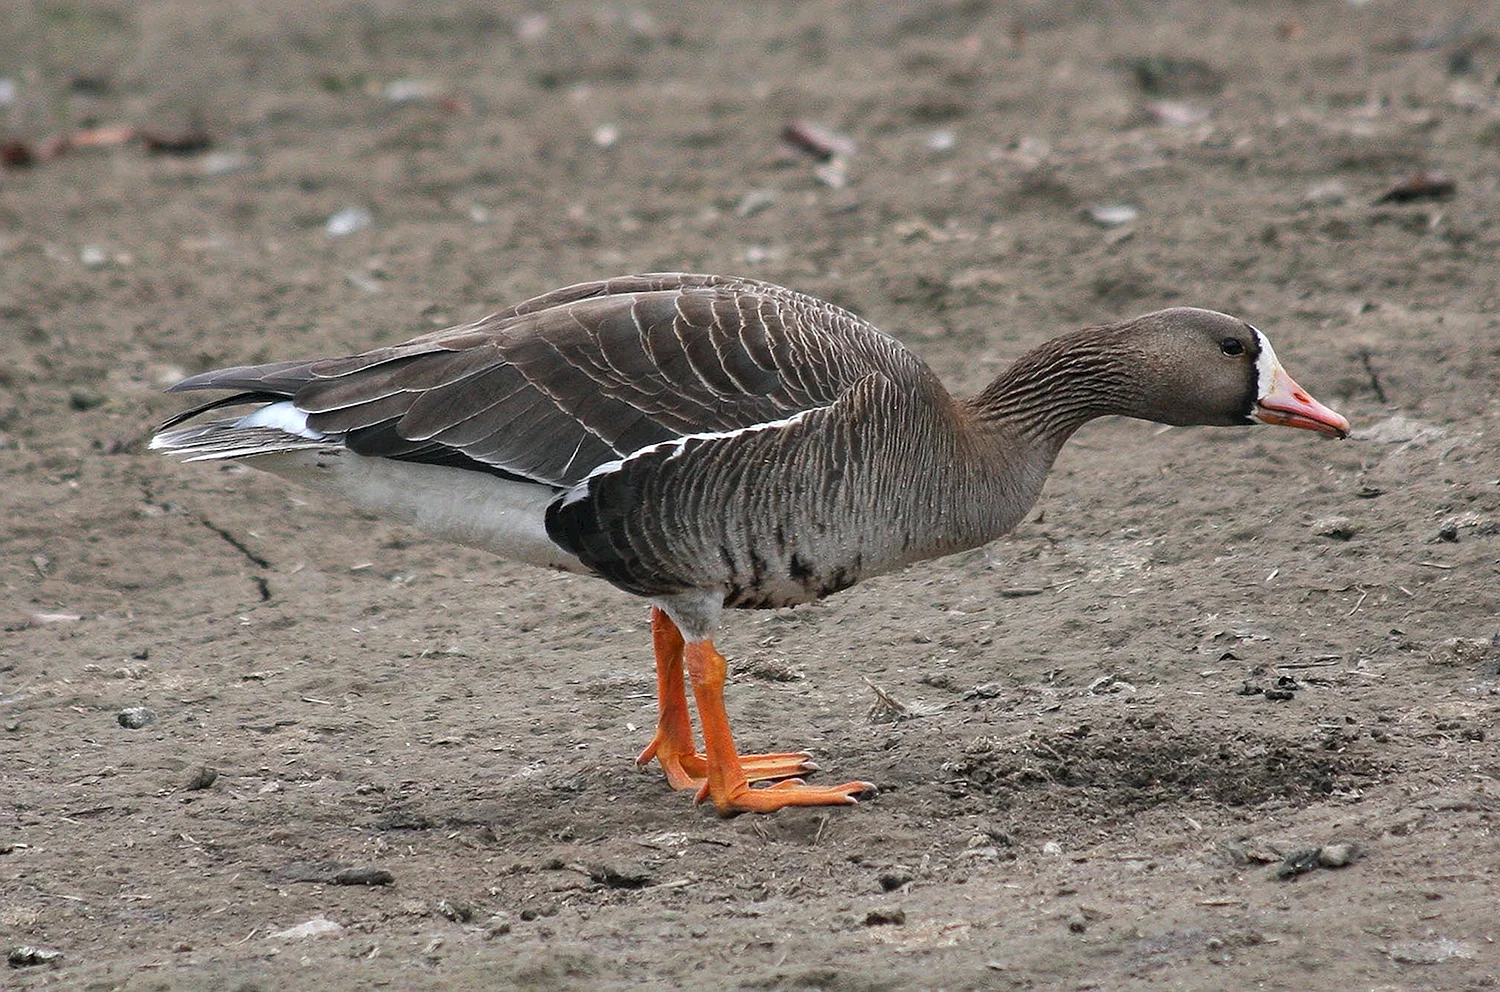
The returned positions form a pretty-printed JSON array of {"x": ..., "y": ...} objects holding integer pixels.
[{"x": 1205, "y": 368}]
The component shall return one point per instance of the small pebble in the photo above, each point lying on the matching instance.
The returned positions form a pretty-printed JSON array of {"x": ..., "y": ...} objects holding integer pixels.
[
  {"x": 1112, "y": 215},
  {"x": 363, "y": 876},
  {"x": 82, "y": 398},
  {"x": 347, "y": 221},
  {"x": 318, "y": 926},
  {"x": 497, "y": 925},
  {"x": 1330, "y": 194},
  {"x": 31, "y": 957},
  {"x": 621, "y": 876},
  {"x": 942, "y": 141},
  {"x": 458, "y": 912},
  {"x": 1078, "y": 923},
  {"x": 1298, "y": 863},
  {"x": 894, "y": 916},
  {"x": 1340, "y": 528},
  {"x": 216, "y": 164},
  {"x": 1336, "y": 855},
  {"x": 754, "y": 202},
  {"x": 135, "y": 717},
  {"x": 200, "y": 778},
  {"x": 1464, "y": 651},
  {"x": 402, "y": 91}
]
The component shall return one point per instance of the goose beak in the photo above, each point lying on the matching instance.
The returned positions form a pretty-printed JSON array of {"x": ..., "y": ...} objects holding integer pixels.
[{"x": 1288, "y": 405}]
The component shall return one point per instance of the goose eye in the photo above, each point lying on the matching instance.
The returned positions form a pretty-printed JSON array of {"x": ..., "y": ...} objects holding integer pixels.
[{"x": 1232, "y": 346}]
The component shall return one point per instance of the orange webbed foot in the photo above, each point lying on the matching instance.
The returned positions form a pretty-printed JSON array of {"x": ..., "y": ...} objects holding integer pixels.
[
  {"x": 792, "y": 792},
  {"x": 689, "y": 769}
]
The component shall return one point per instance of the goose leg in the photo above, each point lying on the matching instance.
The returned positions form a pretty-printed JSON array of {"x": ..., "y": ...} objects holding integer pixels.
[
  {"x": 673, "y": 745},
  {"x": 727, "y": 782}
]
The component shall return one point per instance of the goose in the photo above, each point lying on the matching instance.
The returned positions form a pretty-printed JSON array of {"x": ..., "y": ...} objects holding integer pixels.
[{"x": 709, "y": 442}]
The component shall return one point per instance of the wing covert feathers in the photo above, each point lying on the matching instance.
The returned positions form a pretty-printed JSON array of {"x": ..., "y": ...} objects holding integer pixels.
[{"x": 558, "y": 385}]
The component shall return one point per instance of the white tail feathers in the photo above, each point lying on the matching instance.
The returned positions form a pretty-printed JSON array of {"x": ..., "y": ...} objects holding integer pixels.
[{"x": 222, "y": 439}]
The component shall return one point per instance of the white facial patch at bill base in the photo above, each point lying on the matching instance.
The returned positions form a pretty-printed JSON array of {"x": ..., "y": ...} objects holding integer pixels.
[
  {"x": 283, "y": 416},
  {"x": 1265, "y": 365}
]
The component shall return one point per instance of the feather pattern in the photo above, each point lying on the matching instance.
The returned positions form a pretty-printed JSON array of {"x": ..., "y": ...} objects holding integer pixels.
[{"x": 553, "y": 387}]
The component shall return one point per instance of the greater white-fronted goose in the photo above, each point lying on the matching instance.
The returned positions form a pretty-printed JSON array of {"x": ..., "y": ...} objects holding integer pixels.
[{"x": 708, "y": 442}]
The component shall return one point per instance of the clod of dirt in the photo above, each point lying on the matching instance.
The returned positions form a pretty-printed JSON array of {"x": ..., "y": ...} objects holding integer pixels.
[
  {"x": 363, "y": 876},
  {"x": 403, "y": 820},
  {"x": 1420, "y": 186},
  {"x": 15, "y": 154},
  {"x": 1462, "y": 652},
  {"x": 1338, "y": 527},
  {"x": 1298, "y": 863},
  {"x": 1169, "y": 75},
  {"x": 889, "y": 916},
  {"x": 498, "y": 925},
  {"x": 201, "y": 777},
  {"x": 1078, "y": 923},
  {"x": 620, "y": 876},
  {"x": 191, "y": 141},
  {"x": 31, "y": 957},
  {"x": 458, "y": 912},
  {"x": 307, "y": 871},
  {"x": 84, "y": 398},
  {"x": 135, "y": 717}
]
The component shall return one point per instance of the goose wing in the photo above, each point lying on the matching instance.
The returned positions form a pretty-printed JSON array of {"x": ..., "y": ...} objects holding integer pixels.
[{"x": 556, "y": 386}]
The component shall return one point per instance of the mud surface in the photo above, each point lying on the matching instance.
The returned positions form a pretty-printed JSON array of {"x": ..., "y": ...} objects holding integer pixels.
[{"x": 1130, "y": 728}]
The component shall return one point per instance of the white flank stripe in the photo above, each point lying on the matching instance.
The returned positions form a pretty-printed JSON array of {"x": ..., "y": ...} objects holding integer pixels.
[{"x": 581, "y": 490}]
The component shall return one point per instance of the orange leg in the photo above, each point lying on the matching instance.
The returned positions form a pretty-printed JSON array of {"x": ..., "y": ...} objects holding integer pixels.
[
  {"x": 726, "y": 782},
  {"x": 673, "y": 744}
]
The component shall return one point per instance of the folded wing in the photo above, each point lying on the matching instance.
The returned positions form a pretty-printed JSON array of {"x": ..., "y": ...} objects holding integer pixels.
[{"x": 556, "y": 386}]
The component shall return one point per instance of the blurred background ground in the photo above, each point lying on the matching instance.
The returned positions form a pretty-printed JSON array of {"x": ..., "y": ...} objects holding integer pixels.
[{"x": 1220, "y": 714}]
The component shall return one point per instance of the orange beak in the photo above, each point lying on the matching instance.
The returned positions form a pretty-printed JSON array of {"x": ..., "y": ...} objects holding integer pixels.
[{"x": 1289, "y": 405}]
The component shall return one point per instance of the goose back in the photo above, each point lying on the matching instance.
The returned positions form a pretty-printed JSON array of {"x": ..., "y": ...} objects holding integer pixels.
[{"x": 553, "y": 387}]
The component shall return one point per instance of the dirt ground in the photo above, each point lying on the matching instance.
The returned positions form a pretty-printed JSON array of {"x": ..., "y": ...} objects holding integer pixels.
[{"x": 1131, "y": 729}]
